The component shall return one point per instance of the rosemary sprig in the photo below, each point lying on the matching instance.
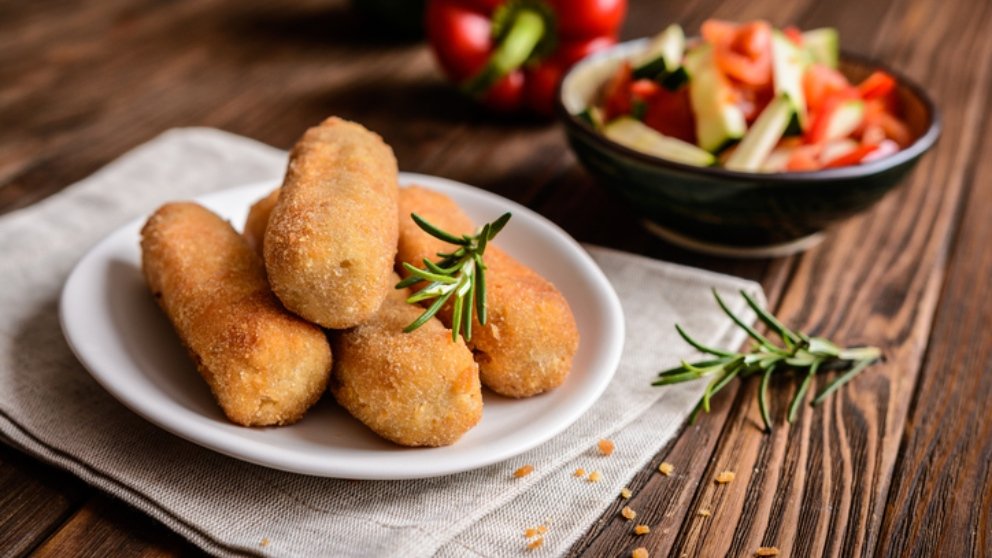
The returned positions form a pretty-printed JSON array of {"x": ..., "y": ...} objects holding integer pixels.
[
  {"x": 459, "y": 275},
  {"x": 798, "y": 353}
]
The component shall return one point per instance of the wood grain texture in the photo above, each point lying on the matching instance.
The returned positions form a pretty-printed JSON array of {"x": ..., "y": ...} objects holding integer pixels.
[
  {"x": 940, "y": 502},
  {"x": 820, "y": 487},
  {"x": 34, "y": 500},
  {"x": 897, "y": 463},
  {"x": 106, "y": 527}
]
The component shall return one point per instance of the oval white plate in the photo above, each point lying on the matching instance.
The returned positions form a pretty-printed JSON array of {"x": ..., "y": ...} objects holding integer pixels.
[{"x": 128, "y": 345}]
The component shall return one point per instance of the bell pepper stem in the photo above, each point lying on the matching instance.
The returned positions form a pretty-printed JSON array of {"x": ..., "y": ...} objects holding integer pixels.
[{"x": 526, "y": 31}]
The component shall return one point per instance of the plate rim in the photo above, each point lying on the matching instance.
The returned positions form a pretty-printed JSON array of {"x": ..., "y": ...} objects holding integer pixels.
[{"x": 264, "y": 454}]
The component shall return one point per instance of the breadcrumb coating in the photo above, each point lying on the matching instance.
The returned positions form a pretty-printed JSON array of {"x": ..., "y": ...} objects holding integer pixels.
[
  {"x": 258, "y": 221},
  {"x": 264, "y": 365},
  {"x": 417, "y": 388},
  {"x": 527, "y": 345},
  {"x": 331, "y": 238}
]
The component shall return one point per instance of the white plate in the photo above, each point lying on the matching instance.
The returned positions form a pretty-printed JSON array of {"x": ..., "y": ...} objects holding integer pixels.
[{"x": 128, "y": 345}]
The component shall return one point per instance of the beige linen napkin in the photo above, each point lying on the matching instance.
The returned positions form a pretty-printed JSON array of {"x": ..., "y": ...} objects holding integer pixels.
[{"x": 51, "y": 408}]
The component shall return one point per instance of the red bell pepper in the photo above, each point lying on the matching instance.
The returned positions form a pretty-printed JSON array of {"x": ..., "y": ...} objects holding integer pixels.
[{"x": 511, "y": 54}]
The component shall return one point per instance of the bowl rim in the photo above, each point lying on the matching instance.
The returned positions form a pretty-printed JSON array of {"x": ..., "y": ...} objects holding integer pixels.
[{"x": 920, "y": 145}]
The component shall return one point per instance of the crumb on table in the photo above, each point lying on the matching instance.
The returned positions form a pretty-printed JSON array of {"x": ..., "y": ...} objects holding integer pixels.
[
  {"x": 666, "y": 468},
  {"x": 625, "y": 493},
  {"x": 536, "y": 543},
  {"x": 265, "y": 542},
  {"x": 523, "y": 471},
  {"x": 606, "y": 447},
  {"x": 641, "y": 529},
  {"x": 639, "y": 552},
  {"x": 580, "y": 472},
  {"x": 704, "y": 513},
  {"x": 595, "y": 476},
  {"x": 535, "y": 531},
  {"x": 766, "y": 551},
  {"x": 725, "y": 477},
  {"x": 628, "y": 513}
]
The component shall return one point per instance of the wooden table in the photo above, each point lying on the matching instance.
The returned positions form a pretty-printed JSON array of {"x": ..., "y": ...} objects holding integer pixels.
[{"x": 899, "y": 463}]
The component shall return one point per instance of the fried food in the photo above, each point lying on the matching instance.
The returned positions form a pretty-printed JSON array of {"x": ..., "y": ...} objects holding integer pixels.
[
  {"x": 415, "y": 389},
  {"x": 527, "y": 345},
  {"x": 264, "y": 365},
  {"x": 331, "y": 239},
  {"x": 258, "y": 221}
]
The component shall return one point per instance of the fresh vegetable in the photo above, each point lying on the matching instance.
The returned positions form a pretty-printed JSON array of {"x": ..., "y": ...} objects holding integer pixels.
[
  {"x": 822, "y": 45},
  {"x": 511, "y": 54},
  {"x": 799, "y": 353},
  {"x": 636, "y": 135},
  {"x": 789, "y": 65},
  {"x": 662, "y": 61},
  {"x": 459, "y": 276},
  {"x": 757, "y": 98},
  {"x": 719, "y": 121},
  {"x": 760, "y": 140}
]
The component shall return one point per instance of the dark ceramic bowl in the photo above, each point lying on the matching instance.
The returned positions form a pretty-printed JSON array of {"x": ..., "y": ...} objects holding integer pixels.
[{"x": 725, "y": 212}]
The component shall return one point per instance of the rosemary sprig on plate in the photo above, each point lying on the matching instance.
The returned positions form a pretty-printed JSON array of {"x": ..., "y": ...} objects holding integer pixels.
[
  {"x": 798, "y": 352},
  {"x": 458, "y": 275}
]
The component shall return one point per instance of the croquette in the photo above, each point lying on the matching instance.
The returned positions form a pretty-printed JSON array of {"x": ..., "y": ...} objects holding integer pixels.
[
  {"x": 264, "y": 365},
  {"x": 331, "y": 239}
]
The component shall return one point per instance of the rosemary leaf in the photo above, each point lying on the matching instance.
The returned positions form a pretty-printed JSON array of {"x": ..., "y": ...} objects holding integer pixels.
[
  {"x": 841, "y": 380},
  {"x": 750, "y": 330},
  {"x": 763, "y": 397},
  {"x": 459, "y": 274},
  {"x": 801, "y": 392},
  {"x": 699, "y": 346},
  {"x": 800, "y": 353},
  {"x": 436, "y": 232}
]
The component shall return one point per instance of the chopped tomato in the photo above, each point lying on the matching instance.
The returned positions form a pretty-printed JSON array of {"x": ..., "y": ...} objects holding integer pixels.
[
  {"x": 821, "y": 82},
  {"x": 895, "y": 129},
  {"x": 852, "y": 157},
  {"x": 643, "y": 89},
  {"x": 753, "y": 100},
  {"x": 820, "y": 119},
  {"x": 617, "y": 101},
  {"x": 718, "y": 31},
  {"x": 747, "y": 57},
  {"x": 794, "y": 34},
  {"x": 670, "y": 112},
  {"x": 804, "y": 159},
  {"x": 872, "y": 134},
  {"x": 879, "y": 116},
  {"x": 880, "y": 85},
  {"x": 753, "y": 39},
  {"x": 876, "y": 86}
]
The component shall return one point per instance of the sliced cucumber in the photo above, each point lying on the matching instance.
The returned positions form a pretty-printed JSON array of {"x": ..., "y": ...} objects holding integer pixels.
[
  {"x": 764, "y": 134},
  {"x": 719, "y": 122},
  {"x": 593, "y": 115},
  {"x": 663, "y": 59},
  {"x": 636, "y": 135},
  {"x": 788, "y": 65},
  {"x": 844, "y": 120},
  {"x": 823, "y": 46}
]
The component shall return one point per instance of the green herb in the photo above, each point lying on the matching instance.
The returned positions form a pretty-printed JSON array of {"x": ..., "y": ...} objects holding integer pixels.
[
  {"x": 798, "y": 352},
  {"x": 458, "y": 275}
]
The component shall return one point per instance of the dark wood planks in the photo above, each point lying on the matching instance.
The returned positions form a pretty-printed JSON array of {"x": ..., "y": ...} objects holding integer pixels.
[
  {"x": 820, "y": 487},
  {"x": 106, "y": 527},
  {"x": 34, "y": 500},
  {"x": 942, "y": 502}
]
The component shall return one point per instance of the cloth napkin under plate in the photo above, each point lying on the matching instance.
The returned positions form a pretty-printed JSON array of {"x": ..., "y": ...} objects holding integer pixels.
[{"x": 52, "y": 409}]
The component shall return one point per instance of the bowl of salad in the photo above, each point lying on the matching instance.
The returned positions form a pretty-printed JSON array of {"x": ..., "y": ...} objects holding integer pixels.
[{"x": 747, "y": 140}]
